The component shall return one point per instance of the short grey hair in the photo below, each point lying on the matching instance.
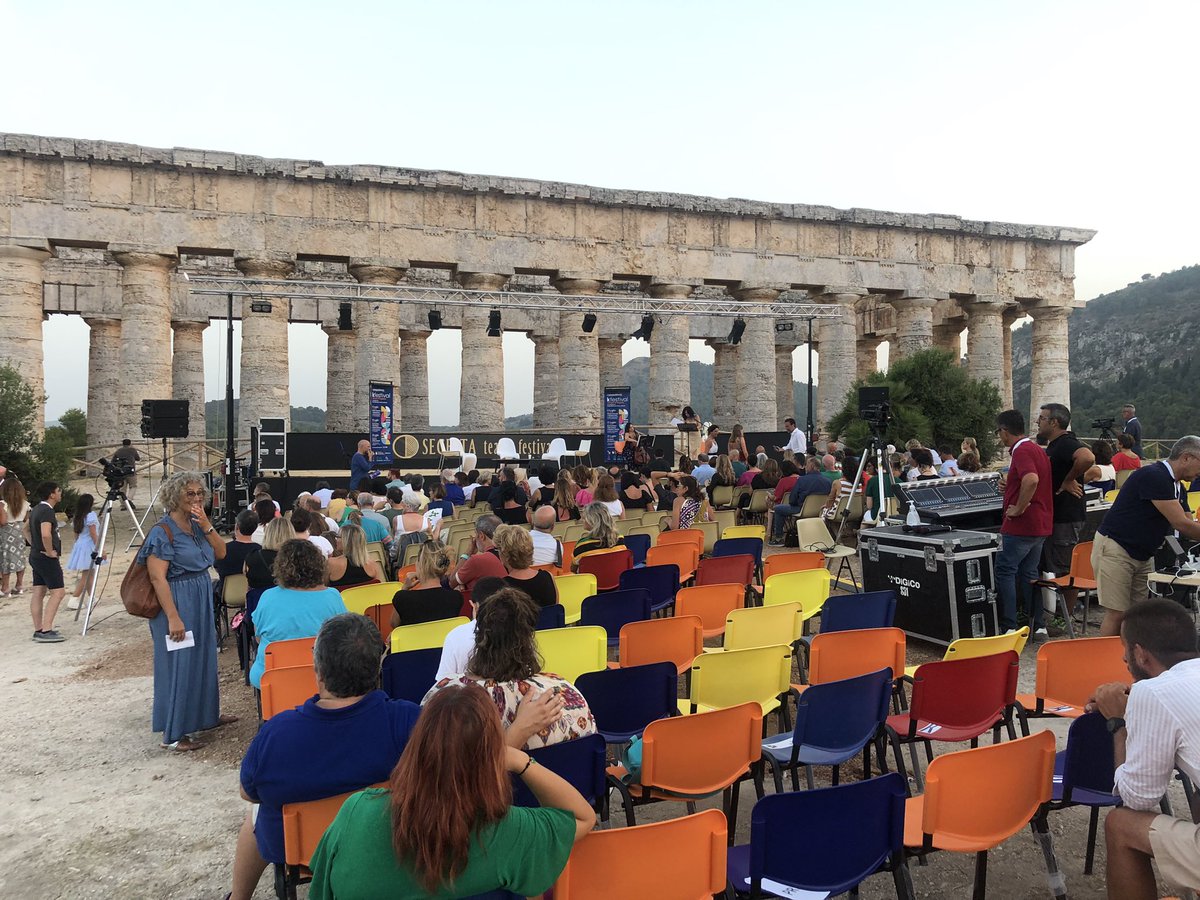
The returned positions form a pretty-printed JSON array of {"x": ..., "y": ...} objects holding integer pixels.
[
  {"x": 487, "y": 525},
  {"x": 172, "y": 491},
  {"x": 1189, "y": 443},
  {"x": 348, "y": 654},
  {"x": 761, "y": 460},
  {"x": 366, "y": 500}
]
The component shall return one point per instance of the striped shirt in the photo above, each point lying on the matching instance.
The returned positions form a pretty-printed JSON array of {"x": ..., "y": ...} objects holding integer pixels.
[{"x": 1162, "y": 720}]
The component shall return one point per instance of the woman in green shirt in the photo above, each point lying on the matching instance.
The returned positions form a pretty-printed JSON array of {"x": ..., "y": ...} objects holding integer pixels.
[{"x": 446, "y": 826}]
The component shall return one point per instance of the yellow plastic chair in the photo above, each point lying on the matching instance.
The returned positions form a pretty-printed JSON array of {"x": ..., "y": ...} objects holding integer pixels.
[
  {"x": 425, "y": 636},
  {"x": 1110, "y": 496},
  {"x": 360, "y": 599},
  {"x": 572, "y": 591},
  {"x": 969, "y": 648},
  {"x": 570, "y": 652},
  {"x": 762, "y": 626},
  {"x": 755, "y": 675},
  {"x": 808, "y": 587},
  {"x": 750, "y": 531}
]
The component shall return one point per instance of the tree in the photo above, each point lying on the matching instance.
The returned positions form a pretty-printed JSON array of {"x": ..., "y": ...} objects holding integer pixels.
[
  {"x": 74, "y": 422},
  {"x": 18, "y": 411},
  {"x": 932, "y": 400}
]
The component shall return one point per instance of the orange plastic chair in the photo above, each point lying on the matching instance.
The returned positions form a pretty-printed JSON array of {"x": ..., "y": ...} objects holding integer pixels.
[
  {"x": 686, "y": 556},
  {"x": 568, "y": 556},
  {"x": 607, "y": 566},
  {"x": 284, "y": 654},
  {"x": 678, "y": 640},
  {"x": 404, "y": 571},
  {"x": 712, "y": 603},
  {"x": 797, "y": 561},
  {"x": 1081, "y": 578},
  {"x": 286, "y": 688},
  {"x": 836, "y": 655},
  {"x": 692, "y": 757},
  {"x": 549, "y": 567},
  {"x": 1068, "y": 672},
  {"x": 693, "y": 536},
  {"x": 381, "y": 615},
  {"x": 304, "y": 824},
  {"x": 975, "y": 800},
  {"x": 682, "y": 858}
]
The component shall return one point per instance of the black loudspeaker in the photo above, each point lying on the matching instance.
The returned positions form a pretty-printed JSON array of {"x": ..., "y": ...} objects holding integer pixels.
[{"x": 164, "y": 418}]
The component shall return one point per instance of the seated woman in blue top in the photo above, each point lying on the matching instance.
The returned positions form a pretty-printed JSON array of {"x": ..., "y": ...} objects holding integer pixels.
[{"x": 298, "y": 606}]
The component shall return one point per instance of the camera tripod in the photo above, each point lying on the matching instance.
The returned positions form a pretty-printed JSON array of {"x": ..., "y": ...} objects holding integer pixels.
[
  {"x": 875, "y": 450},
  {"x": 116, "y": 492}
]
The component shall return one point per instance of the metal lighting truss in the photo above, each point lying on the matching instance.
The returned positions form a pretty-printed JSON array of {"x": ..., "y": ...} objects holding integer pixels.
[{"x": 342, "y": 292}]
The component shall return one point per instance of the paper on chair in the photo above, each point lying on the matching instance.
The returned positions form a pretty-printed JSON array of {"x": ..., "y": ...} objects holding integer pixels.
[
  {"x": 188, "y": 641},
  {"x": 793, "y": 893}
]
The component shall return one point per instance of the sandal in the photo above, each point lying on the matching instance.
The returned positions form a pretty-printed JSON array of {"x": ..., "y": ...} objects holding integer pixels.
[
  {"x": 183, "y": 745},
  {"x": 224, "y": 719}
]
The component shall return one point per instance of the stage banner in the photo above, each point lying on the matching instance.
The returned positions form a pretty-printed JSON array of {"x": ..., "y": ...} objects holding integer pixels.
[
  {"x": 381, "y": 422},
  {"x": 616, "y": 414}
]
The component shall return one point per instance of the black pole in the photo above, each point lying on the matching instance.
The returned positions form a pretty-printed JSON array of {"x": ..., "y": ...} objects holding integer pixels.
[
  {"x": 811, "y": 436},
  {"x": 230, "y": 446}
]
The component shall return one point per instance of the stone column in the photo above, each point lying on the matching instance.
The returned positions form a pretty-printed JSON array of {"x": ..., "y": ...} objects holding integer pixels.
[
  {"x": 866, "y": 356},
  {"x": 948, "y": 337},
  {"x": 670, "y": 384},
  {"x": 414, "y": 380},
  {"x": 1010, "y": 318},
  {"x": 578, "y": 362},
  {"x": 914, "y": 326},
  {"x": 756, "y": 401},
  {"x": 378, "y": 328},
  {"x": 21, "y": 262},
  {"x": 546, "y": 379},
  {"x": 339, "y": 382},
  {"x": 985, "y": 343},
  {"x": 838, "y": 365},
  {"x": 187, "y": 380},
  {"x": 145, "y": 332},
  {"x": 1050, "y": 380},
  {"x": 481, "y": 394},
  {"x": 612, "y": 369},
  {"x": 265, "y": 389},
  {"x": 785, "y": 388},
  {"x": 725, "y": 360},
  {"x": 104, "y": 382}
]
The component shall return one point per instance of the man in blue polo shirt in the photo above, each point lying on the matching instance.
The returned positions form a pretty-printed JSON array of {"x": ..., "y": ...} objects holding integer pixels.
[
  {"x": 811, "y": 482},
  {"x": 1147, "y": 509}
]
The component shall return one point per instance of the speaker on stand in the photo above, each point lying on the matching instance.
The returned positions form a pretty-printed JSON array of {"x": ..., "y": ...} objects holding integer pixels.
[{"x": 162, "y": 419}]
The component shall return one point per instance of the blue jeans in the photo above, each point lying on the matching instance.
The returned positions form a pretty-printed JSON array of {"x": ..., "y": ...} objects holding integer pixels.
[
  {"x": 1017, "y": 566},
  {"x": 783, "y": 513}
]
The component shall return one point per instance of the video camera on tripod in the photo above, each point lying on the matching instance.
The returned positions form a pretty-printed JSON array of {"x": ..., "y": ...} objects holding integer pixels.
[
  {"x": 115, "y": 471},
  {"x": 875, "y": 408}
]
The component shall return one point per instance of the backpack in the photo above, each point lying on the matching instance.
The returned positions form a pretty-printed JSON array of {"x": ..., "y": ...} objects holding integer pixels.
[{"x": 137, "y": 591}]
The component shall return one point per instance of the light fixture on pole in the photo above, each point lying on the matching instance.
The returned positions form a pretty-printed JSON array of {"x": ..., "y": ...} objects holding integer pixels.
[
  {"x": 494, "y": 323},
  {"x": 589, "y": 323},
  {"x": 345, "y": 323},
  {"x": 735, "y": 333},
  {"x": 647, "y": 328},
  {"x": 435, "y": 320},
  {"x": 260, "y": 306}
]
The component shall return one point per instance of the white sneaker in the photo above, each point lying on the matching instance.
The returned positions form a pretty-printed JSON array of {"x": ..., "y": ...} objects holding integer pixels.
[
  {"x": 73, "y": 603},
  {"x": 1041, "y": 633},
  {"x": 1011, "y": 631}
]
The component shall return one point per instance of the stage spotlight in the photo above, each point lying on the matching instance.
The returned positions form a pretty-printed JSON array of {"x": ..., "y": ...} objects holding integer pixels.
[
  {"x": 589, "y": 322},
  {"x": 646, "y": 329},
  {"x": 260, "y": 306},
  {"x": 494, "y": 323},
  {"x": 345, "y": 323},
  {"x": 735, "y": 333},
  {"x": 435, "y": 320}
]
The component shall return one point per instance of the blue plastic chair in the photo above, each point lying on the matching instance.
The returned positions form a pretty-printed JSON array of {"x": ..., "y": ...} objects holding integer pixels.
[
  {"x": 639, "y": 546},
  {"x": 1083, "y": 774},
  {"x": 739, "y": 546},
  {"x": 835, "y": 721},
  {"x": 580, "y": 763},
  {"x": 625, "y": 701},
  {"x": 616, "y": 609},
  {"x": 861, "y": 832},
  {"x": 410, "y": 675},
  {"x": 850, "y": 612},
  {"x": 661, "y": 581},
  {"x": 552, "y": 616}
]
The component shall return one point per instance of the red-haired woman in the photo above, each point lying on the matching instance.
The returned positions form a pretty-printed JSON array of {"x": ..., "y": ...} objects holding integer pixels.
[{"x": 446, "y": 826}]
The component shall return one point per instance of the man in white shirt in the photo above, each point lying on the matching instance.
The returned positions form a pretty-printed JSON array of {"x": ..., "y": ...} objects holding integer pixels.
[
  {"x": 460, "y": 640},
  {"x": 797, "y": 442},
  {"x": 547, "y": 551},
  {"x": 323, "y": 493},
  {"x": 1156, "y": 728},
  {"x": 301, "y": 522}
]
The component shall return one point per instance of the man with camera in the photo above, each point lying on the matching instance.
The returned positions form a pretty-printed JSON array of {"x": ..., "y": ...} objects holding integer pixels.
[{"x": 126, "y": 458}]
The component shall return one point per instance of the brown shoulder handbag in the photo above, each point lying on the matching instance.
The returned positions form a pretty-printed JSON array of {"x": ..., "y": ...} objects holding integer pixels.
[{"x": 137, "y": 591}]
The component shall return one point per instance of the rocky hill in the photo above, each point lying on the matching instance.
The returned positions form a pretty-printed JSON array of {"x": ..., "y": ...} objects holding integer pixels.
[{"x": 1135, "y": 345}]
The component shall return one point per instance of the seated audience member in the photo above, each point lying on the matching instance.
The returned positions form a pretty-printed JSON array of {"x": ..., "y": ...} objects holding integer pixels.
[
  {"x": 331, "y": 527},
  {"x": 508, "y": 495},
  {"x": 337, "y": 505},
  {"x": 260, "y": 563},
  {"x": 298, "y": 606},
  {"x": 462, "y": 481},
  {"x": 323, "y": 493},
  {"x": 302, "y": 522},
  {"x": 767, "y": 478},
  {"x": 735, "y": 462},
  {"x": 635, "y": 493},
  {"x": 396, "y": 480},
  {"x": 484, "y": 561},
  {"x": 446, "y": 827},
  {"x": 583, "y": 484},
  {"x": 606, "y": 493},
  {"x": 923, "y": 465},
  {"x": 262, "y": 491},
  {"x": 242, "y": 545},
  {"x": 469, "y": 481},
  {"x": 347, "y": 737},
  {"x": 394, "y": 507},
  {"x": 969, "y": 445},
  {"x": 507, "y": 665},
  {"x": 788, "y": 473},
  {"x": 811, "y": 482},
  {"x": 969, "y": 462},
  {"x": 460, "y": 642},
  {"x": 1102, "y": 475},
  {"x": 416, "y": 489},
  {"x": 949, "y": 465},
  {"x": 1156, "y": 729},
  {"x": 379, "y": 489},
  {"x": 686, "y": 465},
  {"x": 454, "y": 491},
  {"x": 547, "y": 549},
  {"x": 352, "y": 566},
  {"x": 754, "y": 471},
  {"x": 425, "y": 596},
  {"x": 265, "y": 512},
  {"x": 408, "y": 528},
  {"x": 439, "y": 509},
  {"x": 829, "y": 467},
  {"x": 1126, "y": 458},
  {"x": 723, "y": 476},
  {"x": 374, "y": 524},
  {"x": 563, "y": 501},
  {"x": 600, "y": 533},
  {"x": 483, "y": 493},
  {"x": 703, "y": 471},
  {"x": 689, "y": 507},
  {"x": 515, "y": 546}
]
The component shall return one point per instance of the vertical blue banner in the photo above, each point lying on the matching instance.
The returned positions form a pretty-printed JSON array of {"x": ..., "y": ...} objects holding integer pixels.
[
  {"x": 616, "y": 414},
  {"x": 382, "y": 419}
]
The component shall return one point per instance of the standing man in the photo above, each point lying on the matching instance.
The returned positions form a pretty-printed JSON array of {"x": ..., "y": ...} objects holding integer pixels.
[
  {"x": 1028, "y": 520},
  {"x": 45, "y": 550},
  {"x": 797, "y": 443},
  {"x": 1133, "y": 428},
  {"x": 1146, "y": 510},
  {"x": 128, "y": 457},
  {"x": 360, "y": 464},
  {"x": 1155, "y": 725},
  {"x": 1069, "y": 460}
]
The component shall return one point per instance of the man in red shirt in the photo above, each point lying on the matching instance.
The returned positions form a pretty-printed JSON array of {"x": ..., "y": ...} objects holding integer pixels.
[
  {"x": 1028, "y": 521},
  {"x": 483, "y": 563}
]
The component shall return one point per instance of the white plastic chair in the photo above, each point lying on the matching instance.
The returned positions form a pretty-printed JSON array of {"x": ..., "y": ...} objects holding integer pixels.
[
  {"x": 469, "y": 462},
  {"x": 449, "y": 448},
  {"x": 506, "y": 450},
  {"x": 584, "y": 451},
  {"x": 558, "y": 449}
]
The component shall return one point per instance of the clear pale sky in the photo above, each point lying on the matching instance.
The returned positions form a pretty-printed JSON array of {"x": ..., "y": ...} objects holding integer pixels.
[{"x": 1065, "y": 113}]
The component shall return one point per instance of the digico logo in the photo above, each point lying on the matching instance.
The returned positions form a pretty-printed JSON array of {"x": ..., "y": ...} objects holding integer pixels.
[{"x": 904, "y": 584}]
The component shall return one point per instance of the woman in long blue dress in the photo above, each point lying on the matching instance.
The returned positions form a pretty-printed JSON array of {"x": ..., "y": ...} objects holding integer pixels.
[{"x": 179, "y": 550}]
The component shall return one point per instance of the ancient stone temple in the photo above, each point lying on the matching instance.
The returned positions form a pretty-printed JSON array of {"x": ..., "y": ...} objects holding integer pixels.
[{"x": 104, "y": 230}]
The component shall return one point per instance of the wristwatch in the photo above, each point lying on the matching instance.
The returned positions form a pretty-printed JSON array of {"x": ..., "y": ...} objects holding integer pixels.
[{"x": 1115, "y": 724}]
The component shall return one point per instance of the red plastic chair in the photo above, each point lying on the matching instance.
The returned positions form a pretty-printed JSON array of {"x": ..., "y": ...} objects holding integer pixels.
[
  {"x": 607, "y": 567},
  {"x": 726, "y": 570}
]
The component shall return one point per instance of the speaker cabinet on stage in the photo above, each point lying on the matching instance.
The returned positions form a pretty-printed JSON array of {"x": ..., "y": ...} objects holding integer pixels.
[{"x": 164, "y": 418}]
